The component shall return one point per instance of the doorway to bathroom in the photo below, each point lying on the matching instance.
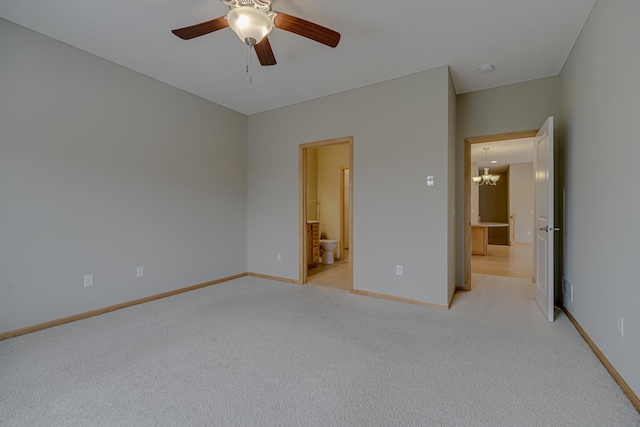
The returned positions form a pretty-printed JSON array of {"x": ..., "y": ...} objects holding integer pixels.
[{"x": 326, "y": 201}]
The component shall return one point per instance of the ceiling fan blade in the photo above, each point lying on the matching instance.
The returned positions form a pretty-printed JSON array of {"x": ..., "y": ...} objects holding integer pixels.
[
  {"x": 198, "y": 30},
  {"x": 264, "y": 52},
  {"x": 306, "y": 29}
]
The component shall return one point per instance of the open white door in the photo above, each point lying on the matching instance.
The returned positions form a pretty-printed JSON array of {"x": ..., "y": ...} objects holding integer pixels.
[{"x": 543, "y": 167}]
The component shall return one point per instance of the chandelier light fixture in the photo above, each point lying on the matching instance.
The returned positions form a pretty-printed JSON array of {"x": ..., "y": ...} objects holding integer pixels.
[{"x": 486, "y": 177}]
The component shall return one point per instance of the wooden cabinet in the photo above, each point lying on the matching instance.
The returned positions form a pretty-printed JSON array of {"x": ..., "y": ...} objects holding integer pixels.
[
  {"x": 313, "y": 243},
  {"x": 479, "y": 239},
  {"x": 480, "y": 236}
]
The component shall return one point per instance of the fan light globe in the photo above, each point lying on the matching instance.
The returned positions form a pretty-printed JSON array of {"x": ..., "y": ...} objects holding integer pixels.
[{"x": 249, "y": 23}]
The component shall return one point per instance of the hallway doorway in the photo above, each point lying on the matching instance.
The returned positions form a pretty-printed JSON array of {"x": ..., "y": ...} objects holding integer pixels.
[{"x": 509, "y": 252}]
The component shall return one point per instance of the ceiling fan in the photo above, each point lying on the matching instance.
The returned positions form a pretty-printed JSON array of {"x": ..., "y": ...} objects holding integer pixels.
[{"x": 253, "y": 20}]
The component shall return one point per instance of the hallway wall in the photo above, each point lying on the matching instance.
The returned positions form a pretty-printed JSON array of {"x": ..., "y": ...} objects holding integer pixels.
[
  {"x": 521, "y": 200},
  {"x": 494, "y": 207}
]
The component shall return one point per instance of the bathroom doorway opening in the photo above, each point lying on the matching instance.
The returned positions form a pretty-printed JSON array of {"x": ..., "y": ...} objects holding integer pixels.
[{"x": 326, "y": 218}]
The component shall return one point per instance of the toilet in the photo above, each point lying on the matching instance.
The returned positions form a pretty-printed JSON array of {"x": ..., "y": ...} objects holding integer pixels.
[{"x": 327, "y": 247}]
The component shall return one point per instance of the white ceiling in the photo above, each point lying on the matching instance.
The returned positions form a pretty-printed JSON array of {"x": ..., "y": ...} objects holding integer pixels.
[{"x": 381, "y": 40}]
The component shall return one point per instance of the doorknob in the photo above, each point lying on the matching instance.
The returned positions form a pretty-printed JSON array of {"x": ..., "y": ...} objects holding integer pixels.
[{"x": 547, "y": 229}]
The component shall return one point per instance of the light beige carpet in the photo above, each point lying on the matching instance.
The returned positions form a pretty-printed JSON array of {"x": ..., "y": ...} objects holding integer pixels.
[{"x": 255, "y": 352}]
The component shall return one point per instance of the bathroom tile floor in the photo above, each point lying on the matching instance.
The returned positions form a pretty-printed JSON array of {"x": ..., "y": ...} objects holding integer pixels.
[{"x": 336, "y": 275}]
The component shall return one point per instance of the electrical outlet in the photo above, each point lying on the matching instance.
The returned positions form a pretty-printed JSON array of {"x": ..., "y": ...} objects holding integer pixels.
[
  {"x": 139, "y": 271},
  {"x": 621, "y": 326},
  {"x": 399, "y": 271},
  {"x": 88, "y": 280},
  {"x": 278, "y": 256}
]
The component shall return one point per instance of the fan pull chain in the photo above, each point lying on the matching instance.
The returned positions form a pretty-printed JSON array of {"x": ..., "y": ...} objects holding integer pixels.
[{"x": 249, "y": 63}]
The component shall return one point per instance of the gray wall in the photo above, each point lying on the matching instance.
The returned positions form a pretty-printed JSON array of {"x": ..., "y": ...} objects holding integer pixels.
[
  {"x": 521, "y": 200},
  {"x": 600, "y": 110},
  {"x": 401, "y": 136},
  {"x": 493, "y": 201},
  {"x": 102, "y": 170},
  {"x": 512, "y": 108}
]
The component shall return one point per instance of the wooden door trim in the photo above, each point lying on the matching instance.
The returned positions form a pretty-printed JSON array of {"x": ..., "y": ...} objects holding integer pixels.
[
  {"x": 302, "y": 196},
  {"x": 342, "y": 204},
  {"x": 467, "y": 190}
]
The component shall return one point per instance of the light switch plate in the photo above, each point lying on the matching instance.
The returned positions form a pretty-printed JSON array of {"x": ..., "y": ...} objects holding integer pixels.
[{"x": 88, "y": 280}]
